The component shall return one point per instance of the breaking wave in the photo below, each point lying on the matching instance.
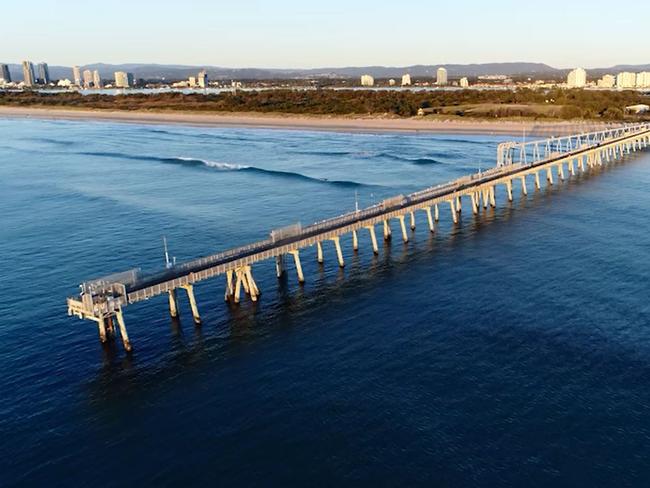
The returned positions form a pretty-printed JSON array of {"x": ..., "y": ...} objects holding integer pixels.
[{"x": 222, "y": 166}]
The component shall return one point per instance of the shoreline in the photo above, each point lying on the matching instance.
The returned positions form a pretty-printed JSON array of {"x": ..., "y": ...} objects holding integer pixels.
[{"x": 308, "y": 122}]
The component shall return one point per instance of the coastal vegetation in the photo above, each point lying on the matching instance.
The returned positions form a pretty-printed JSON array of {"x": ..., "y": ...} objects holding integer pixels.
[{"x": 526, "y": 103}]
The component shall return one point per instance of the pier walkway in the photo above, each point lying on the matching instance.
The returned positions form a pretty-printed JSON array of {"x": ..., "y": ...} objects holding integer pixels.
[{"x": 103, "y": 300}]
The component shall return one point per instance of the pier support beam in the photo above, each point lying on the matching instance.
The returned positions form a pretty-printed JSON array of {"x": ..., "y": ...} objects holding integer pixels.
[
  {"x": 319, "y": 252},
  {"x": 549, "y": 175},
  {"x": 474, "y": 203},
  {"x": 230, "y": 287},
  {"x": 110, "y": 327},
  {"x": 537, "y": 183},
  {"x": 572, "y": 169},
  {"x": 432, "y": 227},
  {"x": 173, "y": 304},
  {"x": 296, "y": 260},
  {"x": 123, "y": 333},
  {"x": 279, "y": 265},
  {"x": 339, "y": 253},
  {"x": 560, "y": 171},
  {"x": 101, "y": 328},
  {"x": 387, "y": 230},
  {"x": 412, "y": 220},
  {"x": 436, "y": 212},
  {"x": 524, "y": 188},
  {"x": 486, "y": 198},
  {"x": 459, "y": 204},
  {"x": 189, "y": 288},
  {"x": 373, "y": 238},
  {"x": 454, "y": 214},
  {"x": 355, "y": 241},
  {"x": 509, "y": 188},
  {"x": 402, "y": 224},
  {"x": 253, "y": 290},
  {"x": 493, "y": 200}
]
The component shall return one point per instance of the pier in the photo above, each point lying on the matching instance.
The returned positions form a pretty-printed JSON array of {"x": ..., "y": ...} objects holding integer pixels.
[{"x": 519, "y": 164}]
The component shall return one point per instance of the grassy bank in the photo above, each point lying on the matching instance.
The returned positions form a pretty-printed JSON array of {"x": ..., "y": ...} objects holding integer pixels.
[{"x": 473, "y": 104}]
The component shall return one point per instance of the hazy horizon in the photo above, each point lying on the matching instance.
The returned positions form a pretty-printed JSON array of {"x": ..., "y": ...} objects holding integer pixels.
[{"x": 291, "y": 35}]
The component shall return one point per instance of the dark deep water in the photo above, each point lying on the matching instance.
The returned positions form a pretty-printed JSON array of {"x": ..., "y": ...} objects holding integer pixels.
[{"x": 513, "y": 350}]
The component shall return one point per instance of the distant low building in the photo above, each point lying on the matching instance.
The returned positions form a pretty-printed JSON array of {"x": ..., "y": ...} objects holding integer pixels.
[
  {"x": 391, "y": 82},
  {"x": 626, "y": 80},
  {"x": 367, "y": 80},
  {"x": 441, "y": 77},
  {"x": 607, "y": 81},
  {"x": 464, "y": 82},
  {"x": 577, "y": 78},
  {"x": 66, "y": 83},
  {"x": 406, "y": 80},
  {"x": 123, "y": 79}
]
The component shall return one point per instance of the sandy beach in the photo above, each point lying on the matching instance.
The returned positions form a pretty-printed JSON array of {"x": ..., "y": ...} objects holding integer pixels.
[{"x": 298, "y": 122}]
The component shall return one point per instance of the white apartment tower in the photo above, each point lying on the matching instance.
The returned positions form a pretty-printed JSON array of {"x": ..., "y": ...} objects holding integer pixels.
[
  {"x": 367, "y": 80},
  {"x": 28, "y": 73},
  {"x": 97, "y": 80},
  {"x": 607, "y": 81},
  {"x": 88, "y": 78},
  {"x": 626, "y": 80},
  {"x": 203, "y": 79},
  {"x": 406, "y": 80},
  {"x": 643, "y": 80},
  {"x": 464, "y": 82},
  {"x": 123, "y": 79},
  {"x": 577, "y": 78},
  {"x": 76, "y": 74},
  {"x": 441, "y": 77}
]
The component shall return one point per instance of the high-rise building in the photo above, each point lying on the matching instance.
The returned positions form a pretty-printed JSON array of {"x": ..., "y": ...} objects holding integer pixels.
[
  {"x": 123, "y": 79},
  {"x": 43, "y": 74},
  {"x": 643, "y": 80},
  {"x": 88, "y": 78},
  {"x": 607, "y": 81},
  {"x": 192, "y": 81},
  {"x": 367, "y": 80},
  {"x": 28, "y": 73},
  {"x": 97, "y": 80},
  {"x": 577, "y": 78},
  {"x": 626, "y": 80},
  {"x": 4, "y": 73},
  {"x": 441, "y": 77},
  {"x": 76, "y": 74},
  {"x": 464, "y": 82},
  {"x": 203, "y": 79},
  {"x": 406, "y": 79}
]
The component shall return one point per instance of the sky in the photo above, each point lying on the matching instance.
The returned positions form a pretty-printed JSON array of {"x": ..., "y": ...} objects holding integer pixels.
[{"x": 329, "y": 33}]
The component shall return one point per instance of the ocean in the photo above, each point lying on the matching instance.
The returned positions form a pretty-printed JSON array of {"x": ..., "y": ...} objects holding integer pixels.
[{"x": 510, "y": 350}]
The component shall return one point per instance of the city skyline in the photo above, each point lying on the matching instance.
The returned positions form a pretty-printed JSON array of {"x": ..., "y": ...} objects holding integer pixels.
[{"x": 289, "y": 35}]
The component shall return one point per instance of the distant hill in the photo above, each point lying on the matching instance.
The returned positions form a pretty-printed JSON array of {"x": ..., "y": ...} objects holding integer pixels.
[{"x": 178, "y": 72}]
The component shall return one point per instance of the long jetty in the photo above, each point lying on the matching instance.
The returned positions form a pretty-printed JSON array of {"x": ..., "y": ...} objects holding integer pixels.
[{"x": 103, "y": 300}]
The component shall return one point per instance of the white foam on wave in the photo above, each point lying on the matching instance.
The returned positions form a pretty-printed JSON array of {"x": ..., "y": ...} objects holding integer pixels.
[{"x": 217, "y": 164}]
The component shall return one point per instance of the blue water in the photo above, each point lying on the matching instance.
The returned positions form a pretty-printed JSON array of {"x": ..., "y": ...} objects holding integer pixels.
[{"x": 512, "y": 350}]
